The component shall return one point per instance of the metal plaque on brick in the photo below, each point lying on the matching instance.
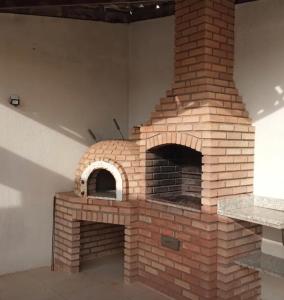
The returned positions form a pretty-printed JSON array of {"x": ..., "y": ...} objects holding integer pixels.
[{"x": 170, "y": 242}]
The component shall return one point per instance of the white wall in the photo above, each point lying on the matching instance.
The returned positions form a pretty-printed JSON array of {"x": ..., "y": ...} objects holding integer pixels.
[
  {"x": 151, "y": 68},
  {"x": 260, "y": 78},
  {"x": 71, "y": 76}
]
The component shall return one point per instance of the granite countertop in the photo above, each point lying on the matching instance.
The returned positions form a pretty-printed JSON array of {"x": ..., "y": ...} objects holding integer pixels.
[
  {"x": 263, "y": 262},
  {"x": 255, "y": 209}
]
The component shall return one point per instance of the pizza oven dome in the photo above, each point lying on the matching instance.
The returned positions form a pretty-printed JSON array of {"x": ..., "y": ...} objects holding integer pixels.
[{"x": 106, "y": 170}]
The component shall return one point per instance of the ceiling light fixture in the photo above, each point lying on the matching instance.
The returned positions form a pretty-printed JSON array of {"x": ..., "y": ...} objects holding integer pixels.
[{"x": 158, "y": 6}]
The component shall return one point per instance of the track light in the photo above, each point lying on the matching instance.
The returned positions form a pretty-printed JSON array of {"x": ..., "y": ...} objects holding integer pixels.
[
  {"x": 141, "y": 5},
  {"x": 158, "y": 6}
]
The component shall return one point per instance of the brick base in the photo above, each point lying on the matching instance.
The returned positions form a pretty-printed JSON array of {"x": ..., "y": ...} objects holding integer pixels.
[{"x": 202, "y": 268}]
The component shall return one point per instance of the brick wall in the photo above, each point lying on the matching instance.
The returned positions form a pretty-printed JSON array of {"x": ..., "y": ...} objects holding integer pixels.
[
  {"x": 100, "y": 239},
  {"x": 173, "y": 170},
  {"x": 189, "y": 273},
  {"x": 163, "y": 175}
]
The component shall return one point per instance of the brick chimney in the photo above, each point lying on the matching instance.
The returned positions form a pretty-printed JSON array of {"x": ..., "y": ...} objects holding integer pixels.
[
  {"x": 204, "y": 46},
  {"x": 204, "y": 106}
]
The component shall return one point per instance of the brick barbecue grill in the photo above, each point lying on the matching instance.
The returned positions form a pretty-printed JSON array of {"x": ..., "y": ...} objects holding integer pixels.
[{"x": 154, "y": 196}]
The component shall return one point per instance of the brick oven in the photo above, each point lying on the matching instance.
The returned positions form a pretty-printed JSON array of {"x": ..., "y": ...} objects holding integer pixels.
[{"x": 154, "y": 197}]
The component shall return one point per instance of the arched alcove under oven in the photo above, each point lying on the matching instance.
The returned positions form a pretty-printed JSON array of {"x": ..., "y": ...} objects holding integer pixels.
[
  {"x": 102, "y": 180},
  {"x": 173, "y": 174}
]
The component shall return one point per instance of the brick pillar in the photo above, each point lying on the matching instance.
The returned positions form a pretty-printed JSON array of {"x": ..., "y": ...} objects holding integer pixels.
[
  {"x": 66, "y": 239},
  {"x": 131, "y": 254},
  {"x": 237, "y": 239}
]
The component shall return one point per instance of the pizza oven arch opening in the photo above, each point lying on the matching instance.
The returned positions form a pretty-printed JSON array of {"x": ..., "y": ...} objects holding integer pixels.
[
  {"x": 173, "y": 175},
  {"x": 101, "y": 183},
  {"x": 102, "y": 180}
]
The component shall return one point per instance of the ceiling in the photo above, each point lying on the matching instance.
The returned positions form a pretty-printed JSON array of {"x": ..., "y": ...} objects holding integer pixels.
[{"x": 113, "y": 11}]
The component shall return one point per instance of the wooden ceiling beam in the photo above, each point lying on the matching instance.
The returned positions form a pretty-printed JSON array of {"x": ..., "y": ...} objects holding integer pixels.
[
  {"x": 16, "y": 4},
  {"x": 88, "y": 10},
  {"x": 243, "y": 1},
  {"x": 97, "y": 13}
]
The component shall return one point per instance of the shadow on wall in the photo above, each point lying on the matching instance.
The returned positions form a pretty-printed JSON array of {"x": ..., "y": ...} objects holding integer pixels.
[
  {"x": 26, "y": 201},
  {"x": 264, "y": 101},
  {"x": 259, "y": 56},
  {"x": 70, "y": 75},
  {"x": 276, "y": 102},
  {"x": 59, "y": 103}
]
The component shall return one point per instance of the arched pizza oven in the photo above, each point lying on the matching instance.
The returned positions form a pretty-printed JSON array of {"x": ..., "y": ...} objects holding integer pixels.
[
  {"x": 102, "y": 179},
  {"x": 106, "y": 171}
]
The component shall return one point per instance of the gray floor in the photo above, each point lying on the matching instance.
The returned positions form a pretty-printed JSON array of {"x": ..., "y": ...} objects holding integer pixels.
[
  {"x": 102, "y": 280},
  {"x": 272, "y": 287}
]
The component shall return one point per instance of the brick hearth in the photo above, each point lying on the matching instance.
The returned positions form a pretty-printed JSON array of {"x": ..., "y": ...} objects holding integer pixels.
[{"x": 204, "y": 114}]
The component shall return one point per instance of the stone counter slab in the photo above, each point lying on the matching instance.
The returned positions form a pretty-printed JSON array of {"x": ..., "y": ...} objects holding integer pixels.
[
  {"x": 265, "y": 263},
  {"x": 244, "y": 208}
]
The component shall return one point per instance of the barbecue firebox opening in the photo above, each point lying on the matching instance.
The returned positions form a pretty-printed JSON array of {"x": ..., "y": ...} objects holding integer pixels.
[{"x": 173, "y": 174}]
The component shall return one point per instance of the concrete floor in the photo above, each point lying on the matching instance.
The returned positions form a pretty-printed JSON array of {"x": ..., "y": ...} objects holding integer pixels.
[
  {"x": 102, "y": 280},
  {"x": 272, "y": 287}
]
